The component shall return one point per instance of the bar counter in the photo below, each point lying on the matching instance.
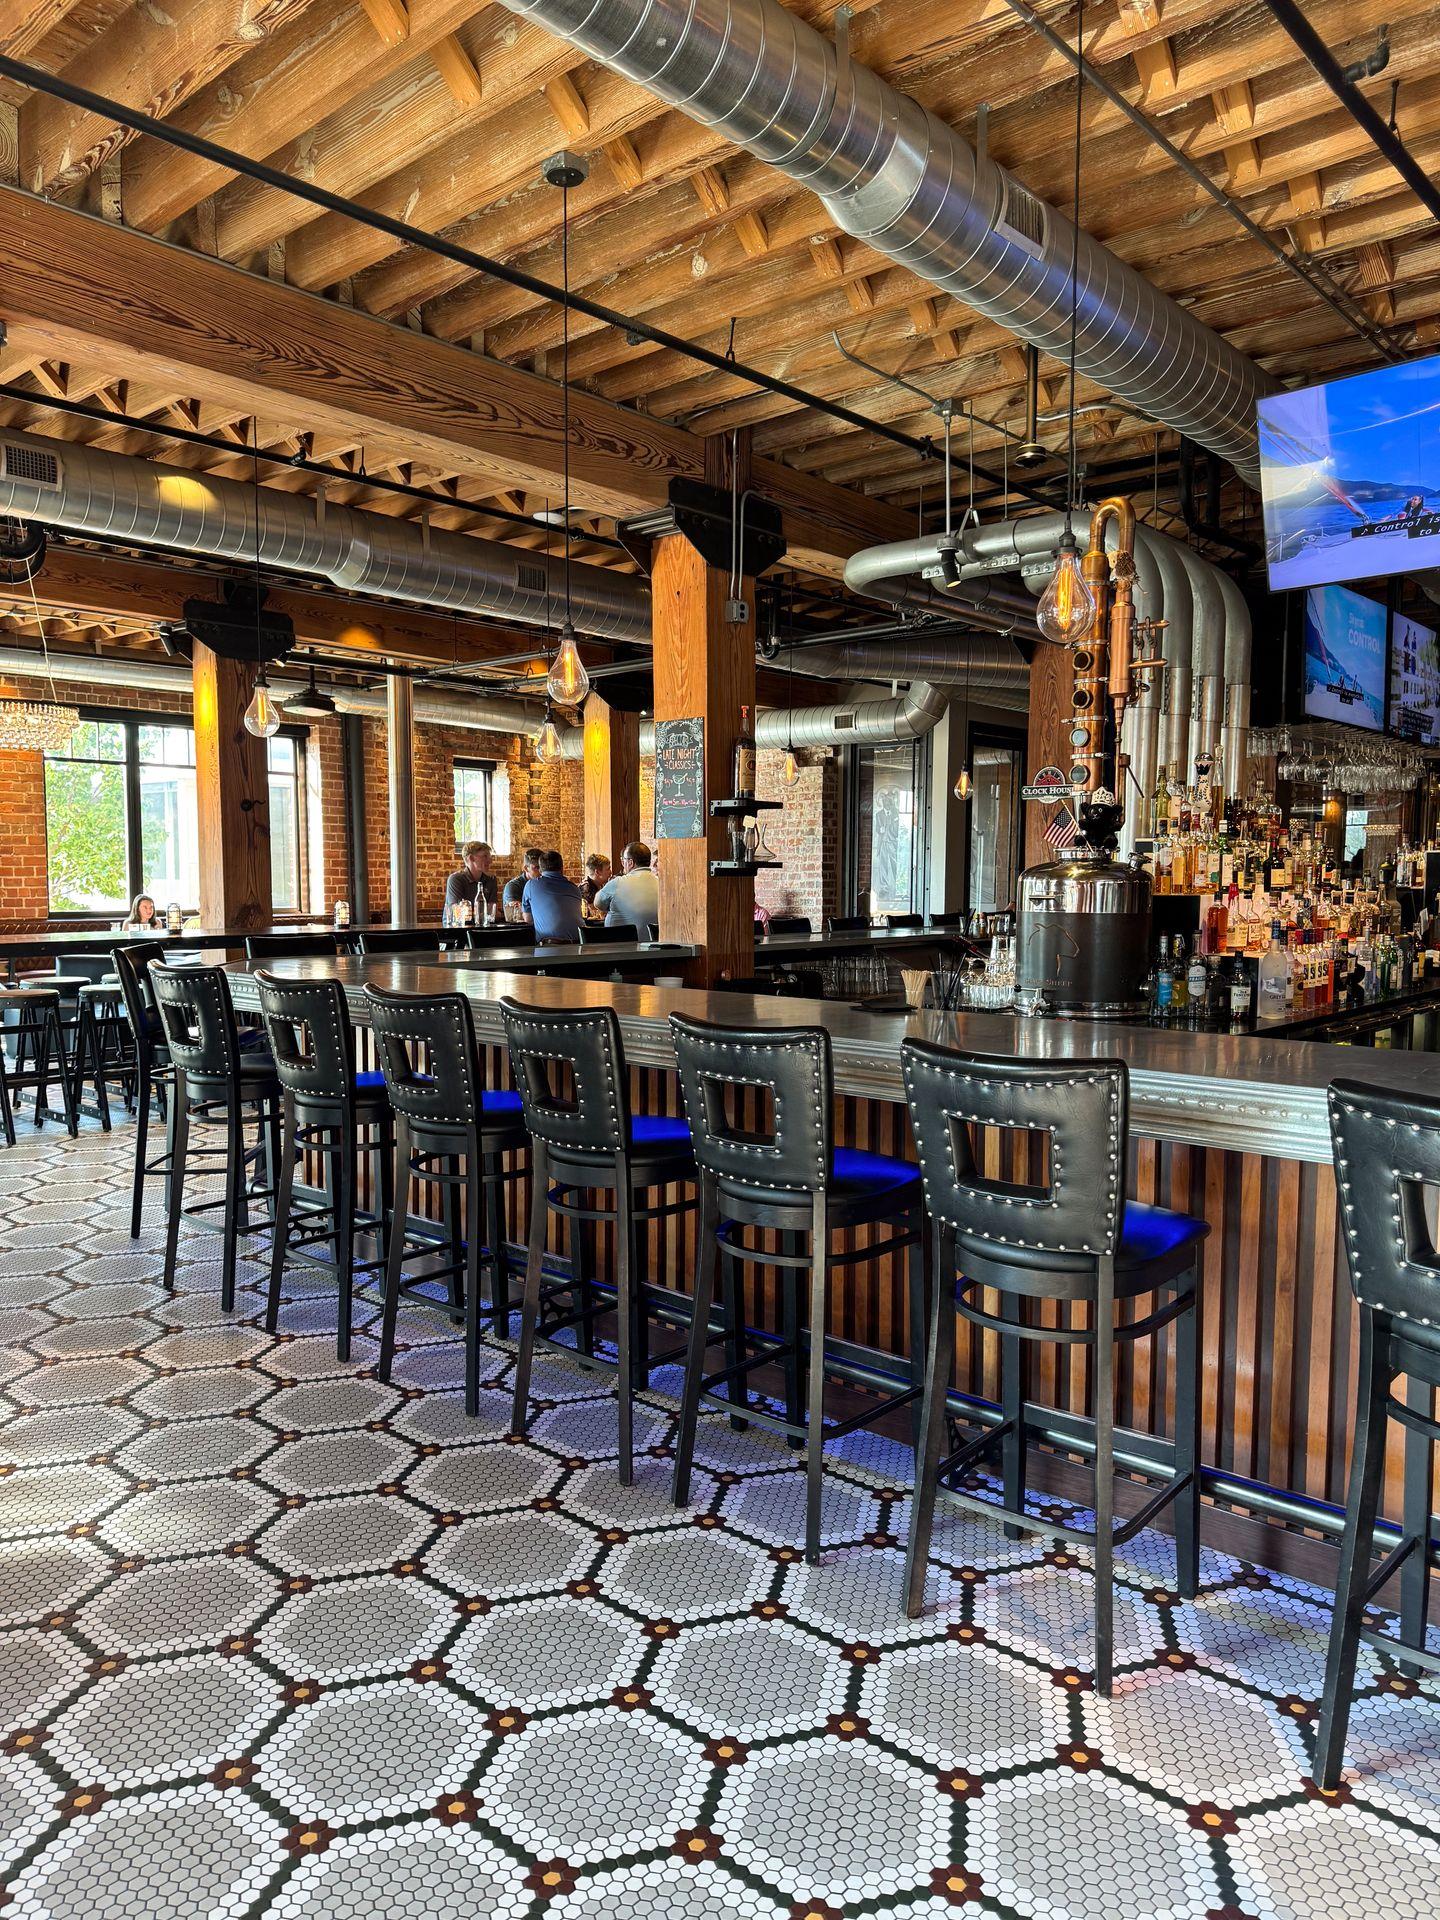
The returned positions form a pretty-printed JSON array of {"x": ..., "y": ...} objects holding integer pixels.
[{"x": 1231, "y": 1127}]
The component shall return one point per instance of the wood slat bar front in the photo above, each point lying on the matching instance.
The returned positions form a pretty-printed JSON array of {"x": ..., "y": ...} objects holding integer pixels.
[{"x": 1232, "y": 1128}]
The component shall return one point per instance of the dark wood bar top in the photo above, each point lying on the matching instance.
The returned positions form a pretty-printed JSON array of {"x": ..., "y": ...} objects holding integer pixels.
[{"x": 1246, "y": 1093}]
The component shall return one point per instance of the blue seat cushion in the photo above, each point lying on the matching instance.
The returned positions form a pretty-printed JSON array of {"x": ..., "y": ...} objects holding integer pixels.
[
  {"x": 659, "y": 1130},
  {"x": 371, "y": 1080},
  {"x": 500, "y": 1100},
  {"x": 856, "y": 1173},
  {"x": 1154, "y": 1233}
]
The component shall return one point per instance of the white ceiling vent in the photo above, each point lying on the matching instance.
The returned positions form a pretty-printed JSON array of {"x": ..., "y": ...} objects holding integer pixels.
[{"x": 29, "y": 464}]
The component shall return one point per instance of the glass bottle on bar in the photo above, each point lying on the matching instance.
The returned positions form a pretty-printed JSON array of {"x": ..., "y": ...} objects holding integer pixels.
[{"x": 743, "y": 782}]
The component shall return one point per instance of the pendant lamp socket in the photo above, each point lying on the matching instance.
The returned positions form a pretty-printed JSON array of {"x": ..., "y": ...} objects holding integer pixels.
[{"x": 565, "y": 170}]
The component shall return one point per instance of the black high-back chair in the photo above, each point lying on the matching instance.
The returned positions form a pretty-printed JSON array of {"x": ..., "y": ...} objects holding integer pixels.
[
  {"x": 847, "y": 923},
  {"x": 221, "y": 1082},
  {"x": 1067, "y": 1237},
  {"x": 778, "y": 1168},
  {"x": 327, "y": 1106},
  {"x": 451, "y": 1131},
  {"x": 1387, "y": 1167},
  {"x": 422, "y": 942},
  {"x": 904, "y": 922},
  {"x": 591, "y": 1158},
  {"x": 289, "y": 946},
  {"x": 154, "y": 1073},
  {"x": 794, "y": 924},
  {"x": 593, "y": 934}
]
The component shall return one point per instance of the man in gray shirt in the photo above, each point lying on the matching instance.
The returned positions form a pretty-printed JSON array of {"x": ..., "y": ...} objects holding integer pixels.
[
  {"x": 474, "y": 884},
  {"x": 632, "y": 898}
]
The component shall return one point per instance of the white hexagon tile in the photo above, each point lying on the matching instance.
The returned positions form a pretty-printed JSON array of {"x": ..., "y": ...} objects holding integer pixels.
[{"x": 277, "y": 1639}]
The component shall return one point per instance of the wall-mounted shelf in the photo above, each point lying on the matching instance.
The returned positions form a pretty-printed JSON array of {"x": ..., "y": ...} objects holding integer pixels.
[
  {"x": 719, "y": 808},
  {"x": 741, "y": 868}
]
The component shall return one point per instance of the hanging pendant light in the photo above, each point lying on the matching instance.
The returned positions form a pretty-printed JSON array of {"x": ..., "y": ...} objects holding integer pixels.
[
  {"x": 567, "y": 682},
  {"x": 962, "y": 784},
  {"x": 262, "y": 716},
  {"x": 546, "y": 742},
  {"x": 790, "y": 771},
  {"x": 313, "y": 703},
  {"x": 1067, "y": 606},
  {"x": 962, "y": 779},
  {"x": 32, "y": 726}
]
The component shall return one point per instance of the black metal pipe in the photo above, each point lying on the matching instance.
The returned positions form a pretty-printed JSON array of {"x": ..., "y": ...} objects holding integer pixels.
[
  {"x": 1386, "y": 141},
  {"x": 1340, "y": 303},
  {"x": 352, "y": 736},
  {"x": 36, "y": 78}
]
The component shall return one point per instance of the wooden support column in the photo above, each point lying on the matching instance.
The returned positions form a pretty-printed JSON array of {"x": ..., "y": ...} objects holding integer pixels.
[
  {"x": 400, "y": 762},
  {"x": 612, "y": 778},
  {"x": 705, "y": 668},
  {"x": 232, "y": 796}
]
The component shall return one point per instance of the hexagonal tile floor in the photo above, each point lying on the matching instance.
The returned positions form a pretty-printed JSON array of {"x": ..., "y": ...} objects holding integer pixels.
[{"x": 277, "y": 1639}]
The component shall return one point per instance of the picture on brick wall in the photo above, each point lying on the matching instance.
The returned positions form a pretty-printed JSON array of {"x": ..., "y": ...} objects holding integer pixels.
[{"x": 679, "y": 779}]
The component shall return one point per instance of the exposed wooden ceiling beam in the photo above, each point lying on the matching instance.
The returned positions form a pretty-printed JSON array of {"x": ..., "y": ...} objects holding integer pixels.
[{"x": 79, "y": 288}]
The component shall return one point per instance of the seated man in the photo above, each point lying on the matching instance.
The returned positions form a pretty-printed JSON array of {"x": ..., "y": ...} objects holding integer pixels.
[
  {"x": 514, "y": 894},
  {"x": 597, "y": 873},
  {"x": 551, "y": 903},
  {"x": 473, "y": 886},
  {"x": 632, "y": 898}
]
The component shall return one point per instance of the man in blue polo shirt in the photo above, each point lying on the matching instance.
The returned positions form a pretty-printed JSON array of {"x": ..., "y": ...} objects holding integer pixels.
[{"x": 551, "y": 903}]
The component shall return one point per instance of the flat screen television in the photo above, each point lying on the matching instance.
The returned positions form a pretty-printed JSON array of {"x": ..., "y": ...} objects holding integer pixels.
[
  {"x": 1350, "y": 477},
  {"x": 1344, "y": 658},
  {"x": 1414, "y": 680}
]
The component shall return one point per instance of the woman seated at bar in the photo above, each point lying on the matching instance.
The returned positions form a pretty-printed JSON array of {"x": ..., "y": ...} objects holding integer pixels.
[
  {"x": 472, "y": 887},
  {"x": 597, "y": 874},
  {"x": 632, "y": 898},
  {"x": 552, "y": 904},
  {"x": 514, "y": 895},
  {"x": 141, "y": 914}
]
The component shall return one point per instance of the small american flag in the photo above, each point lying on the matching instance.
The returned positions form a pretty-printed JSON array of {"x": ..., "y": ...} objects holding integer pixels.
[{"x": 1062, "y": 831}]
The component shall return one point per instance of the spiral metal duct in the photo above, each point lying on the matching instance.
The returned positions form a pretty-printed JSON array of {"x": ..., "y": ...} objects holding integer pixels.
[
  {"x": 893, "y": 175},
  {"x": 110, "y": 495},
  {"x": 989, "y": 668}
]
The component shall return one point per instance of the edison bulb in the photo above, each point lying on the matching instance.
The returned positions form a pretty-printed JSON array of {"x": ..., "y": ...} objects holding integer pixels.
[
  {"x": 547, "y": 742},
  {"x": 262, "y": 716},
  {"x": 962, "y": 784},
  {"x": 790, "y": 772},
  {"x": 567, "y": 682},
  {"x": 1067, "y": 605}
]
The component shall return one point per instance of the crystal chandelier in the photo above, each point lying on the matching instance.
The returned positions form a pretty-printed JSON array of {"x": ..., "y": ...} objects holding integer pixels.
[{"x": 35, "y": 726}]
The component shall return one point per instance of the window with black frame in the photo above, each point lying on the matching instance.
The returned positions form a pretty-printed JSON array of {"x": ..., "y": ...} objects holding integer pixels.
[
  {"x": 474, "y": 801},
  {"x": 885, "y": 850},
  {"x": 120, "y": 816}
]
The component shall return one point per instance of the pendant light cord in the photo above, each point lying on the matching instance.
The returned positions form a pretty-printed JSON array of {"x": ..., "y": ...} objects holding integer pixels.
[
  {"x": 565, "y": 374},
  {"x": 1074, "y": 265},
  {"x": 255, "y": 487}
]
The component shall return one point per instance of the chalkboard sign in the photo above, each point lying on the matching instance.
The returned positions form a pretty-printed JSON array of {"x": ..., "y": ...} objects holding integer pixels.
[{"x": 679, "y": 779}]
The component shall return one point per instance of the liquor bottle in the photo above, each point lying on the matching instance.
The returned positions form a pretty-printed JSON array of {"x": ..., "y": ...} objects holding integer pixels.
[
  {"x": 1197, "y": 982},
  {"x": 1179, "y": 981},
  {"x": 1273, "y": 974},
  {"x": 1162, "y": 806},
  {"x": 744, "y": 759},
  {"x": 1164, "y": 983},
  {"x": 1239, "y": 992},
  {"x": 1164, "y": 864}
]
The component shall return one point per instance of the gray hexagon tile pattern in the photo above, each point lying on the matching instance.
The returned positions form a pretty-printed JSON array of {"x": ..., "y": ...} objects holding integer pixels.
[{"x": 277, "y": 1639}]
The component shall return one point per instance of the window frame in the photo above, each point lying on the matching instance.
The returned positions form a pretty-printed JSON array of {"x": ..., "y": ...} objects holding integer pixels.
[
  {"x": 471, "y": 763},
  {"x": 130, "y": 720}
]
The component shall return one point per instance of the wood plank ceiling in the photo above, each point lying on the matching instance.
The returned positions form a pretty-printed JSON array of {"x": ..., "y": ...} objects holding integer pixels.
[{"x": 441, "y": 111}]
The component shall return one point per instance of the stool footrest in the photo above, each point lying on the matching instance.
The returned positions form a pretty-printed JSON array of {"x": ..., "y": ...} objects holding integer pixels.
[{"x": 1410, "y": 1656}]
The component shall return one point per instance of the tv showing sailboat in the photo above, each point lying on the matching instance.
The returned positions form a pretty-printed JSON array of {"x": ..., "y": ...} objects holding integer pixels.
[
  {"x": 1345, "y": 658},
  {"x": 1350, "y": 477}
]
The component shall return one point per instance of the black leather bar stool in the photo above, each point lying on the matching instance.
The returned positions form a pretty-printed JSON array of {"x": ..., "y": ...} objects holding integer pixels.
[
  {"x": 451, "y": 1131},
  {"x": 221, "y": 1081},
  {"x": 289, "y": 946},
  {"x": 782, "y": 1172},
  {"x": 591, "y": 1157},
  {"x": 326, "y": 1108},
  {"x": 103, "y": 1051},
  {"x": 1070, "y": 1238},
  {"x": 30, "y": 1019},
  {"x": 1387, "y": 1166},
  {"x": 154, "y": 1073}
]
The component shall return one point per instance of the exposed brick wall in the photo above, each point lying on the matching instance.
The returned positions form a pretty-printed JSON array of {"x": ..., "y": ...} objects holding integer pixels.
[
  {"x": 805, "y": 834},
  {"x": 546, "y": 806}
]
